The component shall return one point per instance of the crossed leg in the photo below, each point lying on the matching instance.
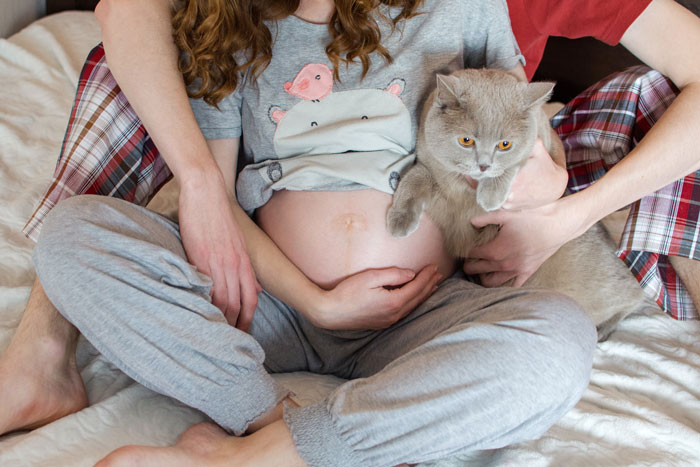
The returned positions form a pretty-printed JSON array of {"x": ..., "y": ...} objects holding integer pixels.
[
  {"x": 435, "y": 377},
  {"x": 40, "y": 383}
]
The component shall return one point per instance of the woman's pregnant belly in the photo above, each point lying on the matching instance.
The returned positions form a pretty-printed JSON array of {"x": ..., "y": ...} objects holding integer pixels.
[{"x": 330, "y": 235}]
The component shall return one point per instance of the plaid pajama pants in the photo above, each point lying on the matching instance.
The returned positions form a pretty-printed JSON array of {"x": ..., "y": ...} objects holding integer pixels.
[
  {"x": 598, "y": 128},
  {"x": 107, "y": 151}
]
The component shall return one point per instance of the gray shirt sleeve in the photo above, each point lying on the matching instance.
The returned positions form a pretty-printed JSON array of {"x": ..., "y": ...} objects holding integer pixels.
[
  {"x": 488, "y": 37},
  {"x": 221, "y": 123}
]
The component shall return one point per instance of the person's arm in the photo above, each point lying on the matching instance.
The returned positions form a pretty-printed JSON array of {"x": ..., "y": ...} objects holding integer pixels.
[
  {"x": 137, "y": 37},
  {"x": 667, "y": 37},
  {"x": 359, "y": 302},
  {"x": 138, "y": 43}
]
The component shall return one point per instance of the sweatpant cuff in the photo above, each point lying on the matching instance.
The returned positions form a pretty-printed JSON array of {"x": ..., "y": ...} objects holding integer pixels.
[
  {"x": 262, "y": 394},
  {"x": 316, "y": 437}
]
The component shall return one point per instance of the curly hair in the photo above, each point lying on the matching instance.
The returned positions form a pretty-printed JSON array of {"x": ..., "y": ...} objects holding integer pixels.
[{"x": 209, "y": 33}]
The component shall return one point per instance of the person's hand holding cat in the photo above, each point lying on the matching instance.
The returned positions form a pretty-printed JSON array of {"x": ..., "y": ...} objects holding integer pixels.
[
  {"x": 522, "y": 244},
  {"x": 526, "y": 239},
  {"x": 539, "y": 182}
]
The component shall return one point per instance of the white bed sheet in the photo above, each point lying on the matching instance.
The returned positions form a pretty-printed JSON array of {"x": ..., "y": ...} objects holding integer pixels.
[{"x": 641, "y": 408}]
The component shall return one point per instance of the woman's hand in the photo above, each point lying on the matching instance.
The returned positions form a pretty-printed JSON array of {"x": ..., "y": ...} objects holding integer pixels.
[
  {"x": 540, "y": 181},
  {"x": 215, "y": 244},
  {"x": 375, "y": 299},
  {"x": 526, "y": 239}
]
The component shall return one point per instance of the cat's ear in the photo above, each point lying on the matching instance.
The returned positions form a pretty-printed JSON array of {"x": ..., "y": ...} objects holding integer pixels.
[
  {"x": 538, "y": 93},
  {"x": 446, "y": 90}
]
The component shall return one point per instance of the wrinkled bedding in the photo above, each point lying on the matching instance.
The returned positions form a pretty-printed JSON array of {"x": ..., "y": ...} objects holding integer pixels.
[{"x": 641, "y": 408}]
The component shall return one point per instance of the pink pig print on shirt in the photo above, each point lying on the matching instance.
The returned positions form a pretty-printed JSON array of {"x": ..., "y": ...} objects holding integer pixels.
[{"x": 313, "y": 82}]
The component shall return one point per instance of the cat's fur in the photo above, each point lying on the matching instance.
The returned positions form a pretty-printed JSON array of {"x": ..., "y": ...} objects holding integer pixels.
[{"x": 492, "y": 106}]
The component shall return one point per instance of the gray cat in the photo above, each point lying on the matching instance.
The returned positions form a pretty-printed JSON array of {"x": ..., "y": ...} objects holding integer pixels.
[{"x": 482, "y": 124}]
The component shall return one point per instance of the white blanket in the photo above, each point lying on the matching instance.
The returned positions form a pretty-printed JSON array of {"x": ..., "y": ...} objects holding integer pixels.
[{"x": 641, "y": 408}]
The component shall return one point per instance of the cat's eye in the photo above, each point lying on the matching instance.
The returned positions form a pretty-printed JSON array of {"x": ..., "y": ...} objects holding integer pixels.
[
  {"x": 466, "y": 141},
  {"x": 505, "y": 145}
]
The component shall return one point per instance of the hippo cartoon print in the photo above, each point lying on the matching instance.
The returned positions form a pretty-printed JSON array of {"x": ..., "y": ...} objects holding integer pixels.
[
  {"x": 327, "y": 122},
  {"x": 332, "y": 140}
]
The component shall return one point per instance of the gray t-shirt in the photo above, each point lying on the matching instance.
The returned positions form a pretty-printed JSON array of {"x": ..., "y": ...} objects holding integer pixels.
[{"x": 304, "y": 131}]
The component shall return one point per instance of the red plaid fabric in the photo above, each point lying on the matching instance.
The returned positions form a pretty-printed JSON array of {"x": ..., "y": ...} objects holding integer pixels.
[
  {"x": 107, "y": 151},
  {"x": 598, "y": 128}
]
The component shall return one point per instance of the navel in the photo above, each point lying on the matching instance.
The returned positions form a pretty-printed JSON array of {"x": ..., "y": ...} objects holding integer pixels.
[{"x": 350, "y": 222}]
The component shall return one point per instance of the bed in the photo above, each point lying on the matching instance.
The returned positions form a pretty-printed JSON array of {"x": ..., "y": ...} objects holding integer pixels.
[{"x": 642, "y": 406}]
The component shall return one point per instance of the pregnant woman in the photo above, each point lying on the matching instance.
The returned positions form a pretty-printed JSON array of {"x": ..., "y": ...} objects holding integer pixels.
[{"x": 326, "y": 116}]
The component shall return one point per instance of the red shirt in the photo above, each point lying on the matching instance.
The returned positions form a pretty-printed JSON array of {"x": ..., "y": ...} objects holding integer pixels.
[{"x": 533, "y": 21}]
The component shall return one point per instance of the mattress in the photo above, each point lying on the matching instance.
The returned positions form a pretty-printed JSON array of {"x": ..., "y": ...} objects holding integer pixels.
[{"x": 642, "y": 406}]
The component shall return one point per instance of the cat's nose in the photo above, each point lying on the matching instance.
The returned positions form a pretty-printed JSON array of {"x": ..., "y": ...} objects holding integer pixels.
[{"x": 484, "y": 168}]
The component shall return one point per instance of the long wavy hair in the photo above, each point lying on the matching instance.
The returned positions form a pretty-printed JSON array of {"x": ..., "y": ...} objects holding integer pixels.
[{"x": 209, "y": 33}]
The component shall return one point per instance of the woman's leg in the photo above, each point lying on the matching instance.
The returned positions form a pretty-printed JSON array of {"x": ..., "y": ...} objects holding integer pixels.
[
  {"x": 470, "y": 369},
  {"x": 39, "y": 381},
  {"x": 119, "y": 273}
]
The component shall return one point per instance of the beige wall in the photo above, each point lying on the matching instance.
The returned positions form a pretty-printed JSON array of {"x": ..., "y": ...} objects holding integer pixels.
[{"x": 16, "y": 14}]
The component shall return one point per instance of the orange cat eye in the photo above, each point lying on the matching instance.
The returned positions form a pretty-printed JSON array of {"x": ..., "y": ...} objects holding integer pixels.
[
  {"x": 466, "y": 141},
  {"x": 504, "y": 145}
]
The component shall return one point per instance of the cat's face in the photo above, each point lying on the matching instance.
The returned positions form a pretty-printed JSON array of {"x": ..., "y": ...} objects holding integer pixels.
[{"x": 481, "y": 122}]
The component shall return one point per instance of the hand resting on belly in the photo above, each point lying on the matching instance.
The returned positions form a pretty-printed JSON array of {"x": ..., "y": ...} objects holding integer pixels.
[{"x": 340, "y": 242}]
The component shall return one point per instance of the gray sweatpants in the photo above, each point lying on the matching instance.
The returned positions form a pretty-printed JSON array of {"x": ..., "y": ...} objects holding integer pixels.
[{"x": 471, "y": 368}]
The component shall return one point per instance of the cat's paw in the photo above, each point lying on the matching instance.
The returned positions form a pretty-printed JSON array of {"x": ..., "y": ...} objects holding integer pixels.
[
  {"x": 401, "y": 222},
  {"x": 490, "y": 203},
  {"x": 492, "y": 193}
]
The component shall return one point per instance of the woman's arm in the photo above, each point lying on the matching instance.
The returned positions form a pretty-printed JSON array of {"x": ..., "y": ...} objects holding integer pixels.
[
  {"x": 359, "y": 302},
  {"x": 667, "y": 37},
  {"x": 137, "y": 37}
]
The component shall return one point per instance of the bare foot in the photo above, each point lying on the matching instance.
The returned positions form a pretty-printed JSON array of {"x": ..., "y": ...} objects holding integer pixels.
[
  {"x": 202, "y": 445},
  {"x": 207, "y": 445},
  {"x": 38, "y": 384}
]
